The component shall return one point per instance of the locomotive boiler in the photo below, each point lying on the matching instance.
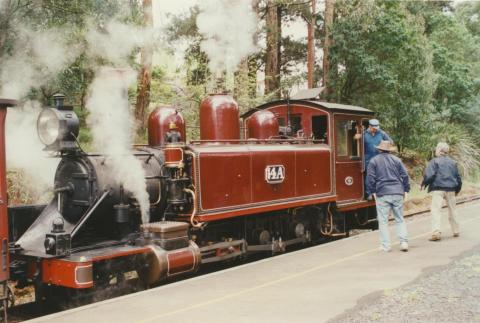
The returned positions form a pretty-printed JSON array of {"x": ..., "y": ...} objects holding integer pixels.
[{"x": 285, "y": 173}]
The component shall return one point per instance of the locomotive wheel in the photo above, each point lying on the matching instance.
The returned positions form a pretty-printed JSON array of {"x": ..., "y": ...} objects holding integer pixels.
[{"x": 264, "y": 237}]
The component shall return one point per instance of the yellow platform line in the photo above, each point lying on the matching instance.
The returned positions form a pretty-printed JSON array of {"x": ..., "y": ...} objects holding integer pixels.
[{"x": 280, "y": 280}]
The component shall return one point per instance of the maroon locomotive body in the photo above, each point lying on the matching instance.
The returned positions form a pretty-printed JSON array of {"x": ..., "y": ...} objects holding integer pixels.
[{"x": 287, "y": 172}]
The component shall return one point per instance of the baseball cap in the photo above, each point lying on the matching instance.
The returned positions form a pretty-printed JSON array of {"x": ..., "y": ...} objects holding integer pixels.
[{"x": 374, "y": 123}]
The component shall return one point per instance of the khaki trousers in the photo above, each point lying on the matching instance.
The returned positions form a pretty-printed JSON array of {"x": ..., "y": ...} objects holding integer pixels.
[{"x": 437, "y": 202}]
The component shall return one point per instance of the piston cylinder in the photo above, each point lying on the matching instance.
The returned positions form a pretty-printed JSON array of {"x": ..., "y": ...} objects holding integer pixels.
[
  {"x": 163, "y": 264},
  {"x": 159, "y": 123},
  {"x": 262, "y": 125},
  {"x": 219, "y": 118}
]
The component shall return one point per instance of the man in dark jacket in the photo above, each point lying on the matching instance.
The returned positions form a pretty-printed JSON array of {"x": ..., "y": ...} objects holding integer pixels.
[
  {"x": 388, "y": 181},
  {"x": 444, "y": 181}
]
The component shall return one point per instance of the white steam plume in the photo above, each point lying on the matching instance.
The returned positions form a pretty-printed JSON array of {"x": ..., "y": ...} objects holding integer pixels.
[
  {"x": 116, "y": 41},
  {"x": 111, "y": 125},
  {"x": 25, "y": 151},
  {"x": 228, "y": 27},
  {"x": 38, "y": 58}
]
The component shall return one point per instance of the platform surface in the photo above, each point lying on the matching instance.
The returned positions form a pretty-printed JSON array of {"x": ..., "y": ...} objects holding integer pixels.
[{"x": 311, "y": 285}]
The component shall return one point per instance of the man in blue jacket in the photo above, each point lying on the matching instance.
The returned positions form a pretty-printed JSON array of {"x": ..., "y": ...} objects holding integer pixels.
[
  {"x": 371, "y": 139},
  {"x": 444, "y": 181},
  {"x": 388, "y": 181}
]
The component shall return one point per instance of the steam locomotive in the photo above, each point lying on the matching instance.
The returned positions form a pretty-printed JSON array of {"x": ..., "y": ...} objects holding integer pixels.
[{"x": 285, "y": 173}]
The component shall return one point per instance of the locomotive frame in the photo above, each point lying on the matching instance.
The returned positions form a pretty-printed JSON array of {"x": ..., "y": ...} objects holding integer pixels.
[{"x": 216, "y": 202}]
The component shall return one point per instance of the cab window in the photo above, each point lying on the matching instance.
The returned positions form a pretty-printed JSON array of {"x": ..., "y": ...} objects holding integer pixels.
[
  {"x": 347, "y": 145},
  {"x": 320, "y": 129}
]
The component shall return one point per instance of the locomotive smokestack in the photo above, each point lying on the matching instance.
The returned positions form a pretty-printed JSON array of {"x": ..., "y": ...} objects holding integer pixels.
[{"x": 58, "y": 99}]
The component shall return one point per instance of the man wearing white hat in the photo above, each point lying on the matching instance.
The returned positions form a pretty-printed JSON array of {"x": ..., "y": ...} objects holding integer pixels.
[{"x": 388, "y": 181}]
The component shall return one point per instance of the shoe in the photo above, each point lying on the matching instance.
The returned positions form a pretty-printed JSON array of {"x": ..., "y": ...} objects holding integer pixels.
[
  {"x": 384, "y": 249},
  {"x": 435, "y": 237},
  {"x": 456, "y": 234},
  {"x": 404, "y": 246}
]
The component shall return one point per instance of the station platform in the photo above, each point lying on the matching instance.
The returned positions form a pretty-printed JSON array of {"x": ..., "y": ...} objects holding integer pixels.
[{"x": 312, "y": 285}]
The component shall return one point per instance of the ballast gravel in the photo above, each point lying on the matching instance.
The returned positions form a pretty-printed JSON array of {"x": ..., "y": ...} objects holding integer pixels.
[{"x": 446, "y": 294}]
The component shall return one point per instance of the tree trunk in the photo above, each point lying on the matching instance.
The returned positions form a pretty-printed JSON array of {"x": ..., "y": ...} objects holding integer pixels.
[
  {"x": 327, "y": 43},
  {"x": 252, "y": 60},
  {"x": 145, "y": 74},
  {"x": 311, "y": 46},
  {"x": 272, "y": 60}
]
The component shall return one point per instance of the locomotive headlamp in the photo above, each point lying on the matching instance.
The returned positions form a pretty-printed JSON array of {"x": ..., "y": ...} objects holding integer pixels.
[
  {"x": 48, "y": 126},
  {"x": 58, "y": 127}
]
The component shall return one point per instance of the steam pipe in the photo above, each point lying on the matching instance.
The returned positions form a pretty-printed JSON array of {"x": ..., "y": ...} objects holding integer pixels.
[
  {"x": 159, "y": 195},
  {"x": 67, "y": 188},
  {"x": 122, "y": 193},
  {"x": 193, "y": 222},
  {"x": 88, "y": 214},
  {"x": 59, "y": 202}
]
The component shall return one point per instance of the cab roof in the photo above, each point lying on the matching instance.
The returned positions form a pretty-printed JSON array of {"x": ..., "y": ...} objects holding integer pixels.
[{"x": 333, "y": 107}]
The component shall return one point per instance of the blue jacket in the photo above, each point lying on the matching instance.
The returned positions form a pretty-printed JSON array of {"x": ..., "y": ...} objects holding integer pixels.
[
  {"x": 442, "y": 174},
  {"x": 370, "y": 141},
  {"x": 386, "y": 175}
]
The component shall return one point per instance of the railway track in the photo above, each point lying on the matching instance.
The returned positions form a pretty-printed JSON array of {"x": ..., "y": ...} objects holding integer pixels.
[
  {"x": 462, "y": 200},
  {"x": 29, "y": 310}
]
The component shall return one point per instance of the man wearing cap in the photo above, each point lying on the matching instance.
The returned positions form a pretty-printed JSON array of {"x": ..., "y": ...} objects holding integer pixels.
[
  {"x": 388, "y": 181},
  {"x": 371, "y": 139}
]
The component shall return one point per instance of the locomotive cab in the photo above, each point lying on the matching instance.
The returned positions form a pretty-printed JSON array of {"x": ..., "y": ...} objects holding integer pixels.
[{"x": 334, "y": 125}]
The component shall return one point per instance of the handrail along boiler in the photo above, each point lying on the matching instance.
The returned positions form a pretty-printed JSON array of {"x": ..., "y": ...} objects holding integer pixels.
[{"x": 290, "y": 172}]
